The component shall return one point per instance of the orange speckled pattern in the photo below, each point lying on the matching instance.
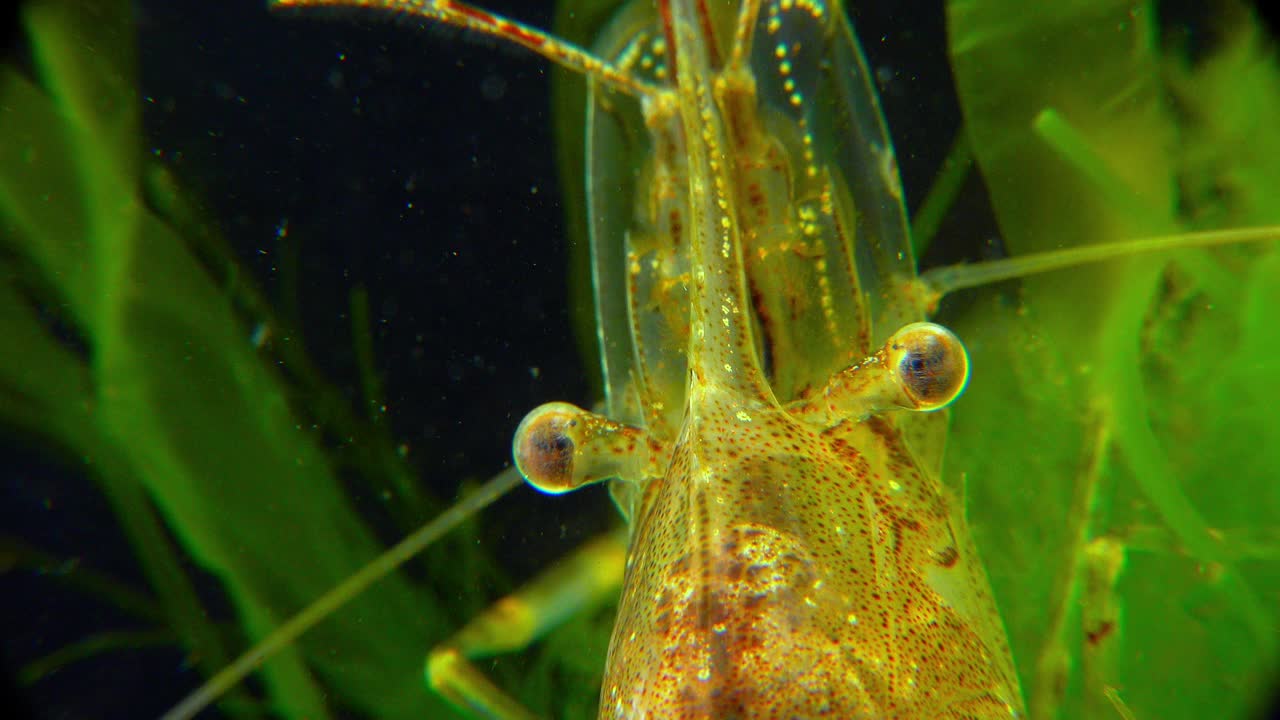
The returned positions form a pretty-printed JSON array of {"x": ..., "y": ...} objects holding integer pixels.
[
  {"x": 781, "y": 566},
  {"x": 792, "y": 573}
]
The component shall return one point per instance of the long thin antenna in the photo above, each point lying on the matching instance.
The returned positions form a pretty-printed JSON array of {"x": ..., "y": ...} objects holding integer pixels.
[
  {"x": 460, "y": 14},
  {"x": 948, "y": 279}
]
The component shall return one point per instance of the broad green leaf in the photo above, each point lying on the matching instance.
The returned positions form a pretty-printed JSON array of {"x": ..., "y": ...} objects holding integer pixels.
[{"x": 1108, "y": 410}]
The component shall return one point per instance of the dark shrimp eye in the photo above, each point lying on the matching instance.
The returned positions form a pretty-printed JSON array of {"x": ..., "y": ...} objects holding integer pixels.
[
  {"x": 931, "y": 363},
  {"x": 544, "y": 447}
]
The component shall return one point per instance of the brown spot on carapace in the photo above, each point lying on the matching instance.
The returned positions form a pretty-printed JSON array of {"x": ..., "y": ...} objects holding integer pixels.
[
  {"x": 1096, "y": 635},
  {"x": 947, "y": 557}
]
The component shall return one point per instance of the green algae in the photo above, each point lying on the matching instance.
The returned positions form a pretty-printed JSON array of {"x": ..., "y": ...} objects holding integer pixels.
[{"x": 1126, "y": 402}]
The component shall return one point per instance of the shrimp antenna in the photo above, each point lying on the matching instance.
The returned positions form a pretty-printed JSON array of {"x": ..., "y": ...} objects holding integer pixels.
[{"x": 458, "y": 14}]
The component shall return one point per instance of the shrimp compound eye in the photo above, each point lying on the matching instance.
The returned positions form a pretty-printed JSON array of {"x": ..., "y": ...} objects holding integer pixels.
[
  {"x": 545, "y": 446},
  {"x": 559, "y": 447},
  {"x": 930, "y": 364}
]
